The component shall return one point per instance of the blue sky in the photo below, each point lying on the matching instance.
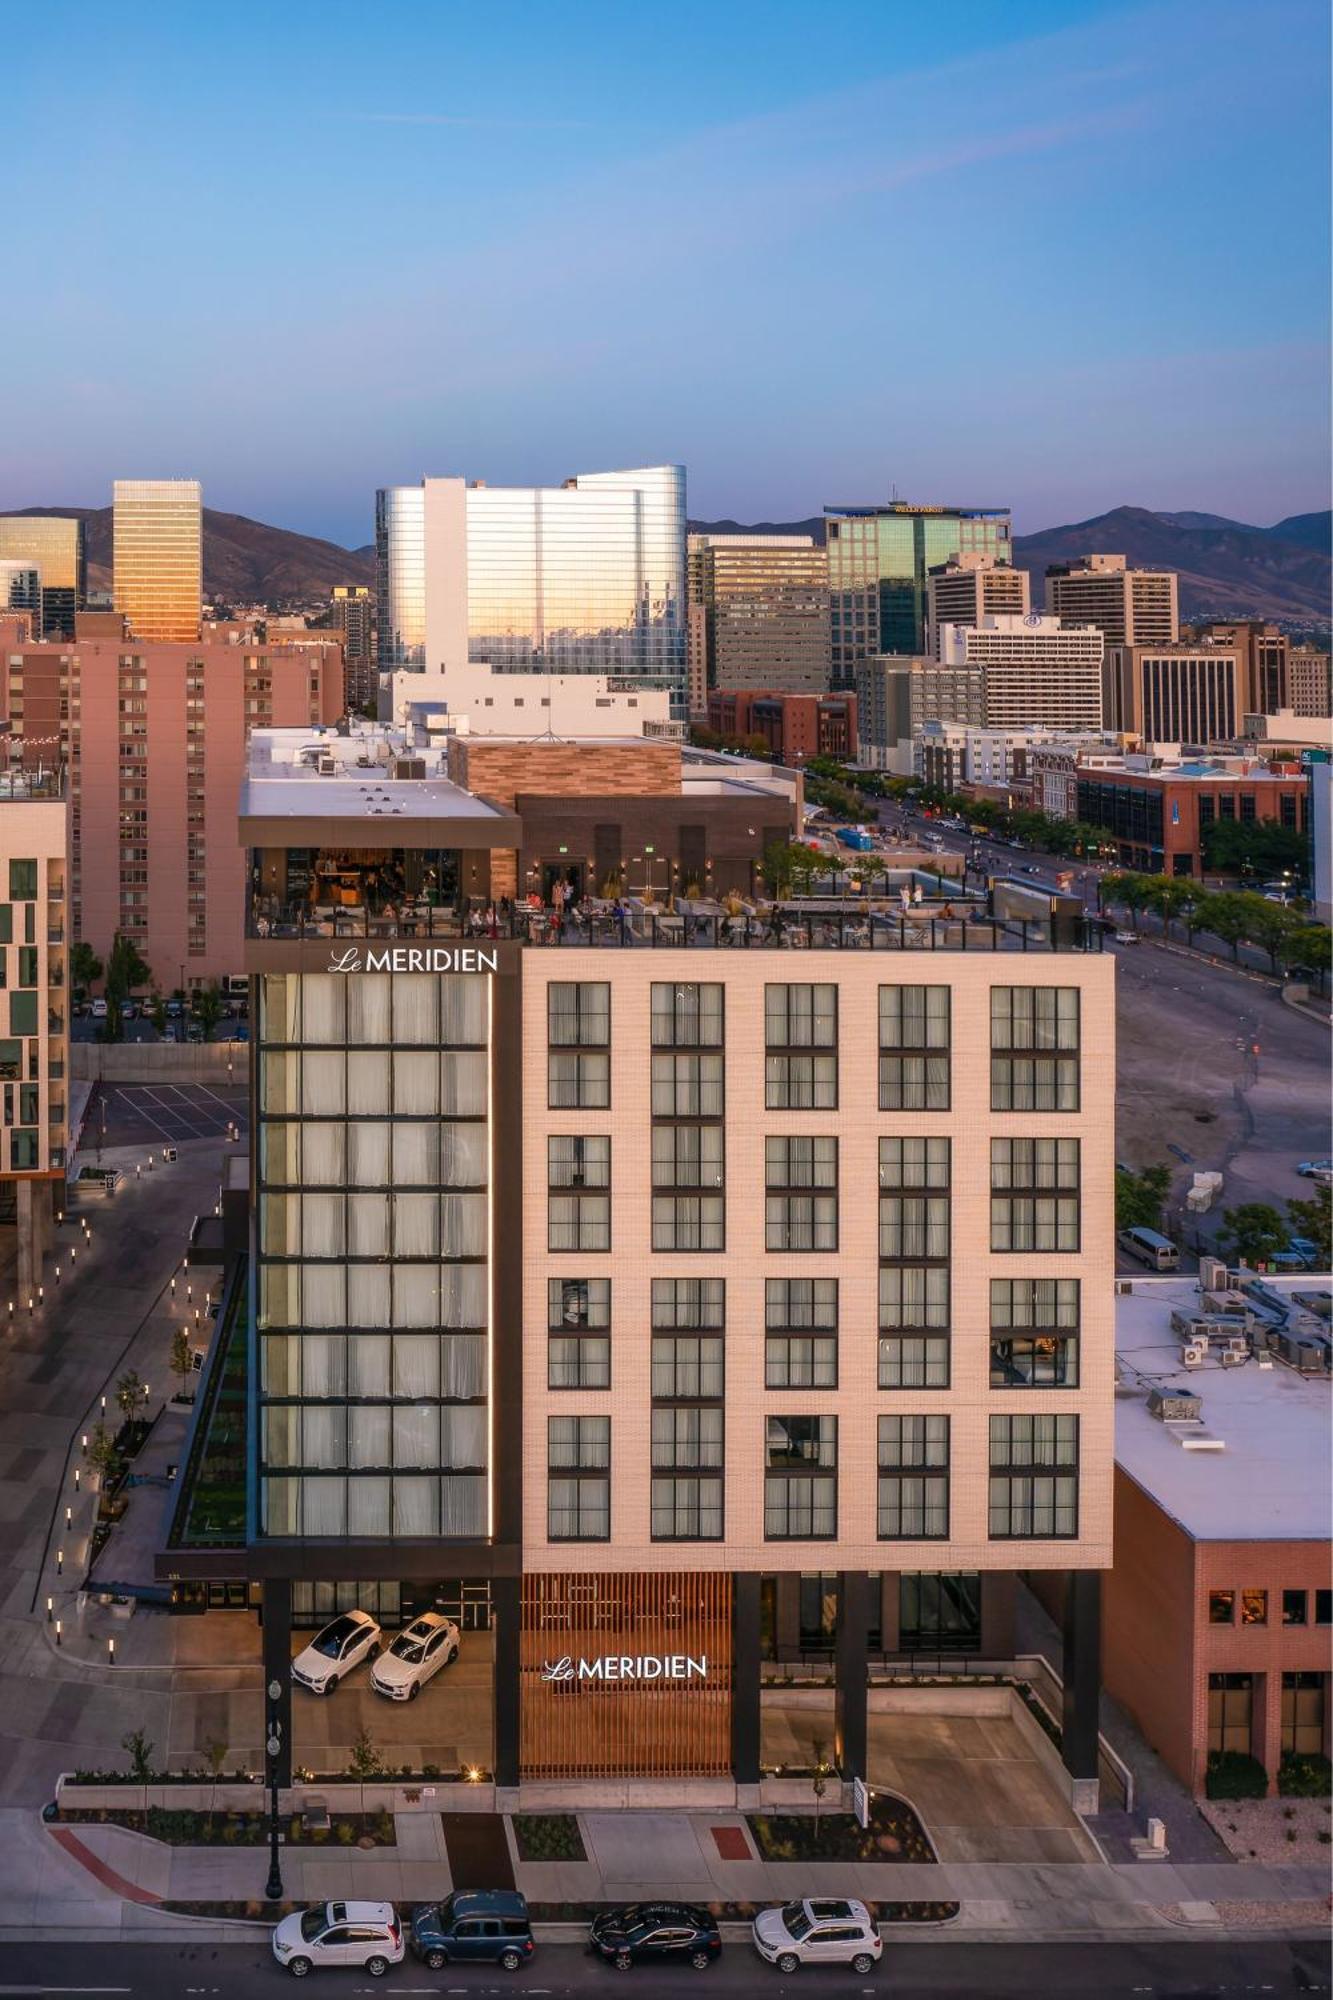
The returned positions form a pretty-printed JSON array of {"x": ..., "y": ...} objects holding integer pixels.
[{"x": 1056, "y": 254}]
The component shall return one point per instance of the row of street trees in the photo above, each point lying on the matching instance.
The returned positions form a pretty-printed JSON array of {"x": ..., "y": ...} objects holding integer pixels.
[
  {"x": 126, "y": 970},
  {"x": 1233, "y": 916}
]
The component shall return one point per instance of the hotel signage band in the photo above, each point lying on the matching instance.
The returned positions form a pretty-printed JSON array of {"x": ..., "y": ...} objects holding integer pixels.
[
  {"x": 416, "y": 958},
  {"x": 627, "y": 1667}
]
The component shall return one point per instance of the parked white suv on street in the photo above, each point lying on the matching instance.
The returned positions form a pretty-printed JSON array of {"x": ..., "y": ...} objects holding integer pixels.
[
  {"x": 367, "y": 1935},
  {"x": 824, "y": 1930},
  {"x": 350, "y": 1638},
  {"x": 419, "y": 1651}
]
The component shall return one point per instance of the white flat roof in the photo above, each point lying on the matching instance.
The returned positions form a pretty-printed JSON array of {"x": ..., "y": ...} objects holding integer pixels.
[
  {"x": 360, "y": 795},
  {"x": 1270, "y": 1481}
]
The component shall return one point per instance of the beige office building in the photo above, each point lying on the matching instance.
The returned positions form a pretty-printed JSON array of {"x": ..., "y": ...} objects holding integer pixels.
[
  {"x": 765, "y": 606},
  {"x": 1310, "y": 681},
  {"x": 159, "y": 558},
  {"x": 1037, "y": 669},
  {"x": 54, "y": 545},
  {"x": 1174, "y": 694},
  {"x": 897, "y": 693},
  {"x": 970, "y": 587},
  {"x": 1128, "y": 606}
]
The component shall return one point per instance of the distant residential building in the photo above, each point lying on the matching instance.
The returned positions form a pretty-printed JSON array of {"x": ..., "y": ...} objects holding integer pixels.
[
  {"x": 765, "y": 607},
  {"x": 1000, "y": 761},
  {"x": 55, "y": 545},
  {"x": 1159, "y": 808},
  {"x": 154, "y": 738},
  {"x": 1192, "y": 692},
  {"x": 586, "y": 577},
  {"x": 1217, "y": 1615},
  {"x": 1263, "y": 652},
  {"x": 1037, "y": 669},
  {"x": 879, "y": 563},
  {"x": 794, "y": 726},
  {"x": 969, "y": 588},
  {"x": 158, "y": 558},
  {"x": 354, "y": 616},
  {"x": 21, "y": 591},
  {"x": 896, "y": 694},
  {"x": 34, "y": 1004},
  {"x": 1310, "y": 680},
  {"x": 1128, "y": 606}
]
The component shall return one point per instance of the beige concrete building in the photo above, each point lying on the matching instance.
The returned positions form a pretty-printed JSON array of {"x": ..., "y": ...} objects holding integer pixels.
[
  {"x": 34, "y": 1005},
  {"x": 1128, "y": 606},
  {"x": 1310, "y": 680},
  {"x": 1192, "y": 692},
  {"x": 1037, "y": 669},
  {"x": 158, "y": 557},
  {"x": 896, "y": 694},
  {"x": 971, "y": 587},
  {"x": 765, "y": 606}
]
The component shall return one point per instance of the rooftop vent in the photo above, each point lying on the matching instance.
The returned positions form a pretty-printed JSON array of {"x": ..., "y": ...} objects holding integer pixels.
[{"x": 1174, "y": 1406}]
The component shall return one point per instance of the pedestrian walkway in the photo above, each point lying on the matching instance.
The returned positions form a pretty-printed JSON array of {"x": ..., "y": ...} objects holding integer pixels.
[{"x": 697, "y": 1857}]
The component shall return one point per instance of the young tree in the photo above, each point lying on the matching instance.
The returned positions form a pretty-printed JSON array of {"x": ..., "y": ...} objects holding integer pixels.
[
  {"x": 140, "y": 1753},
  {"x": 1254, "y": 1232},
  {"x": 366, "y": 1762},
  {"x": 126, "y": 968},
  {"x": 1130, "y": 892},
  {"x": 1309, "y": 947},
  {"x": 182, "y": 1357},
  {"x": 1167, "y": 896},
  {"x": 1227, "y": 919},
  {"x": 1139, "y": 1197},
  {"x": 1271, "y": 925},
  {"x": 157, "y": 1012},
  {"x": 84, "y": 967},
  {"x": 131, "y": 1395},
  {"x": 100, "y": 1452},
  {"x": 209, "y": 1007},
  {"x": 1314, "y": 1218},
  {"x": 819, "y": 1779}
]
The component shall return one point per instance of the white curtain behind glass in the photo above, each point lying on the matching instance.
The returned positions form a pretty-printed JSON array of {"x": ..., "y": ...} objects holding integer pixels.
[
  {"x": 368, "y": 1010},
  {"x": 415, "y": 1008},
  {"x": 323, "y": 1008}
]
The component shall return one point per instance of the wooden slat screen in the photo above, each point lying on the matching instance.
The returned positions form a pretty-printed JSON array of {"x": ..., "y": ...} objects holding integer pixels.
[{"x": 646, "y": 1724}]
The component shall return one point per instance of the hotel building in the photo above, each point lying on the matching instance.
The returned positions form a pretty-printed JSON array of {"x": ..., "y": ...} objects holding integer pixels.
[
  {"x": 587, "y": 577},
  {"x": 54, "y": 544},
  {"x": 1130, "y": 607},
  {"x": 1037, "y": 669},
  {"x": 158, "y": 557},
  {"x": 969, "y": 588},
  {"x": 590, "y": 1294}
]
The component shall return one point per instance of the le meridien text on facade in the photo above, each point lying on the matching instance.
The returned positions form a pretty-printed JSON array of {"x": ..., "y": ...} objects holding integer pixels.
[{"x": 809, "y": 1349}]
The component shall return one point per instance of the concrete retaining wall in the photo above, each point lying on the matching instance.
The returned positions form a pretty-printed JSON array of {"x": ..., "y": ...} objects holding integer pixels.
[
  {"x": 160, "y": 1062},
  {"x": 432, "y": 1795}
]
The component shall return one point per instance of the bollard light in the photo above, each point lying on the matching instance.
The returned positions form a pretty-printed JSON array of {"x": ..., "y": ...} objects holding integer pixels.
[
  {"x": 85, "y": 1440},
  {"x": 76, "y": 1479},
  {"x": 50, "y": 1607},
  {"x": 60, "y": 1562},
  {"x": 111, "y": 1652},
  {"x": 69, "y": 1517},
  {"x": 41, "y": 1295},
  {"x": 58, "y": 1630}
]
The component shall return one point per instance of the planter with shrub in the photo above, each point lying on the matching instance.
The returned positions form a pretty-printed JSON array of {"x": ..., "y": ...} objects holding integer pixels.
[
  {"x": 1234, "y": 1775},
  {"x": 1307, "y": 1776}
]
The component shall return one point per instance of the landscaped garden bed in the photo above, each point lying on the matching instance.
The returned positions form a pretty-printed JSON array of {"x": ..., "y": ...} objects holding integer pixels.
[
  {"x": 893, "y": 1833},
  {"x": 185, "y": 1828},
  {"x": 548, "y": 1837}
]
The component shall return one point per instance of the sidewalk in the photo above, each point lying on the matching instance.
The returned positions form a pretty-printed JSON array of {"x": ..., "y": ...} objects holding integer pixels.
[{"x": 632, "y": 1856}]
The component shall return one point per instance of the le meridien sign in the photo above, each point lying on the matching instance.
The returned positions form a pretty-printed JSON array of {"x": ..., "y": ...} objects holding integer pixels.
[
  {"x": 416, "y": 958},
  {"x": 632, "y": 1667}
]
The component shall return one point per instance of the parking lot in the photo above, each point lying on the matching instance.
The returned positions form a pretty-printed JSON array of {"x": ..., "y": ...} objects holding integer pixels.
[{"x": 127, "y": 1114}]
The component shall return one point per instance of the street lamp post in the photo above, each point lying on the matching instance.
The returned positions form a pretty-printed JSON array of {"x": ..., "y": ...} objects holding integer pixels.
[{"x": 273, "y": 1750}]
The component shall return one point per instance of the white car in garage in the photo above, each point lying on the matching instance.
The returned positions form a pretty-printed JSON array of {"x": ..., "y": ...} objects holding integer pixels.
[
  {"x": 351, "y": 1637},
  {"x": 420, "y": 1650}
]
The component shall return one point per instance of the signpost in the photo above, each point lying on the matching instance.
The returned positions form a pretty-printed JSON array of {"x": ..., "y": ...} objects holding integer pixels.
[{"x": 861, "y": 1802}]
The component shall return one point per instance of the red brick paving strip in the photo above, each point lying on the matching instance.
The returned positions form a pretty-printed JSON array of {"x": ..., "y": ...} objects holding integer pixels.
[
  {"x": 732, "y": 1844},
  {"x": 129, "y": 1892}
]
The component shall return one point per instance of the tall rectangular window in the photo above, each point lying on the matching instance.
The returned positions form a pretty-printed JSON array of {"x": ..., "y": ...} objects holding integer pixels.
[
  {"x": 801, "y": 1205},
  {"x": 913, "y": 1478},
  {"x": 800, "y": 1038},
  {"x": 688, "y": 1303},
  {"x": 801, "y": 1479},
  {"x": 801, "y": 1333},
  {"x": 22, "y": 881},
  {"x": 579, "y": 1202},
  {"x": 1033, "y": 1478},
  {"x": 1034, "y": 1194},
  {"x": 1034, "y": 1048},
  {"x": 578, "y": 1319},
  {"x": 689, "y": 1085},
  {"x": 578, "y": 1489},
  {"x": 1034, "y": 1333},
  {"x": 687, "y": 1015},
  {"x": 914, "y": 1036},
  {"x": 689, "y": 1209},
  {"x": 578, "y": 1034}
]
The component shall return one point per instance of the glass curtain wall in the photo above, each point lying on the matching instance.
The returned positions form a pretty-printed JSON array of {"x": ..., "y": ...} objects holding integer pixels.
[
  {"x": 372, "y": 1278},
  {"x": 400, "y": 577}
]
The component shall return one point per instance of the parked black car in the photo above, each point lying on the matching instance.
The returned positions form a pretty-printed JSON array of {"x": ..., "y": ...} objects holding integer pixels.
[
  {"x": 473, "y": 1927},
  {"x": 655, "y": 1934}
]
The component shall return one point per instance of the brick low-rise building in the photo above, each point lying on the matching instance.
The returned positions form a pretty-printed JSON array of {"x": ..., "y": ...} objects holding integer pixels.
[
  {"x": 794, "y": 726},
  {"x": 1160, "y": 809},
  {"x": 1217, "y": 1613}
]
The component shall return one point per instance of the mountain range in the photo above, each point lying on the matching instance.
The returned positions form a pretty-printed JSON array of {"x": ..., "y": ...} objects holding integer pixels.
[{"x": 1227, "y": 568}]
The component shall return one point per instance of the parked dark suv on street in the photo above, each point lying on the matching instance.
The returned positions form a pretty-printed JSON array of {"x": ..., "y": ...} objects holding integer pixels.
[
  {"x": 473, "y": 1927},
  {"x": 655, "y": 1934}
]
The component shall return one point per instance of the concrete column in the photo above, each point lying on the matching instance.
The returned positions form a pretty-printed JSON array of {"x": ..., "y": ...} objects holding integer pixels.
[
  {"x": 746, "y": 1708},
  {"x": 787, "y": 1616},
  {"x": 1082, "y": 1684},
  {"x": 277, "y": 1623},
  {"x": 998, "y": 1590},
  {"x": 506, "y": 1612},
  {"x": 889, "y": 1589},
  {"x": 851, "y": 1674},
  {"x": 32, "y": 1202}
]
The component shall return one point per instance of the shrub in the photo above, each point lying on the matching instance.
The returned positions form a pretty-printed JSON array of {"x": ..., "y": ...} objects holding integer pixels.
[
  {"x": 1234, "y": 1775},
  {"x": 1308, "y": 1776}
]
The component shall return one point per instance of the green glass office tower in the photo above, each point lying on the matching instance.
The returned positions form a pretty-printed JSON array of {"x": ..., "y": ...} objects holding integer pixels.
[{"x": 878, "y": 561}]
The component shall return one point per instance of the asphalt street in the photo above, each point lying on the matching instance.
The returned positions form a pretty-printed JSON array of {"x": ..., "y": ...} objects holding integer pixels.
[{"x": 1169, "y": 1970}]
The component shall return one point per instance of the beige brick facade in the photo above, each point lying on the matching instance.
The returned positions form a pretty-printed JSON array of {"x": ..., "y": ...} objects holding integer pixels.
[{"x": 858, "y": 1124}]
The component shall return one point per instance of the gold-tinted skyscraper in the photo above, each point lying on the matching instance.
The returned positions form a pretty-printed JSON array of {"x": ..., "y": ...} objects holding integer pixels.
[
  {"x": 159, "y": 557},
  {"x": 55, "y": 543}
]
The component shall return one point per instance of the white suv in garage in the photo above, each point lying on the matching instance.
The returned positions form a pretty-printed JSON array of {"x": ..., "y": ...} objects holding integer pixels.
[
  {"x": 419, "y": 1651},
  {"x": 824, "y": 1930},
  {"x": 352, "y": 1636}
]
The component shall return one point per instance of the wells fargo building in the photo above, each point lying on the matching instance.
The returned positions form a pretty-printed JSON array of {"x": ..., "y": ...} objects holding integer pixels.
[{"x": 671, "y": 1301}]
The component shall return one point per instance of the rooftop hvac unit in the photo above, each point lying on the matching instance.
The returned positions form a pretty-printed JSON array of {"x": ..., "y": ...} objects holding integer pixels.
[
  {"x": 1307, "y": 1355},
  {"x": 409, "y": 767},
  {"x": 1178, "y": 1406},
  {"x": 1212, "y": 1274},
  {"x": 1123, "y": 1286},
  {"x": 328, "y": 767},
  {"x": 1234, "y": 1354},
  {"x": 1193, "y": 1353},
  {"x": 1189, "y": 1325}
]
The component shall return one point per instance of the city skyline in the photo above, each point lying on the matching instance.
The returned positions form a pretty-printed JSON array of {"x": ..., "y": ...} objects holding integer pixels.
[{"x": 1099, "y": 177}]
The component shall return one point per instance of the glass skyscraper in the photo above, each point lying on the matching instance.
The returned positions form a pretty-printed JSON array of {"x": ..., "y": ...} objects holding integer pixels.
[
  {"x": 159, "y": 557},
  {"x": 879, "y": 559},
  {"x": 588, "y": 577},
  {"x": 54, "y": 544}
]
